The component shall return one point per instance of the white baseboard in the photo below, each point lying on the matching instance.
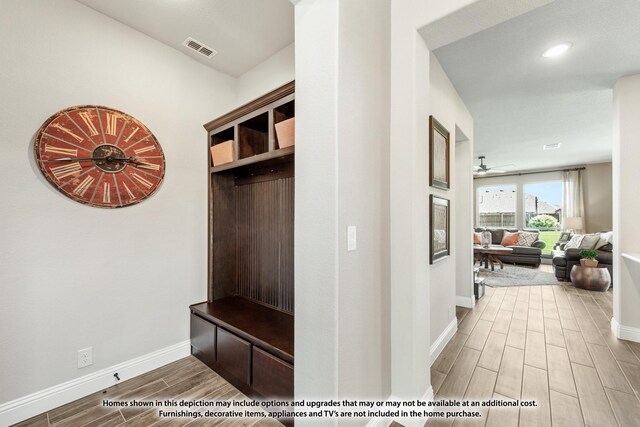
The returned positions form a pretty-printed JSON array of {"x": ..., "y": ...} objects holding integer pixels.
[
  {"x": 28, "y": 406},
  {"x": 625, "y": 332},
  {"x": 448, "y": 333},
  {"x": 468, "y": 302}
]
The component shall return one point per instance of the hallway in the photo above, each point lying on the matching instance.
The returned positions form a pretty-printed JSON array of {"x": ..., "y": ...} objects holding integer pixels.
[{"x": 552, "y": 344}]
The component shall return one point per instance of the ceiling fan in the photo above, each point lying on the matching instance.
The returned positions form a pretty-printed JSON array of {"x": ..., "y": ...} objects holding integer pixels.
[{"x": 482, "y": 169}]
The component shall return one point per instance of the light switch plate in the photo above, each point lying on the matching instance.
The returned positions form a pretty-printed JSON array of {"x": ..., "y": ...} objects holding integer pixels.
[{"x": 351, "y": 238}]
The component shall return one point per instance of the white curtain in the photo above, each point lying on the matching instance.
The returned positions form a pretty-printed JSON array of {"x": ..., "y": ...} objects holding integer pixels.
[{"x": 572, "y": 201}]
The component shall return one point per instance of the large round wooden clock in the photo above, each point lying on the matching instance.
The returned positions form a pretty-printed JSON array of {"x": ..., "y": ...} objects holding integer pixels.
[{"x": 99, "y": 156}]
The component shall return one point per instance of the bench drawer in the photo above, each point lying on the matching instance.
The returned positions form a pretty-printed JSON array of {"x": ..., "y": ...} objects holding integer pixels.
[
  {"x": 272, "y": 377},
  {"x": 234, "y": 355},
  {"x": 203, "y": 340}
]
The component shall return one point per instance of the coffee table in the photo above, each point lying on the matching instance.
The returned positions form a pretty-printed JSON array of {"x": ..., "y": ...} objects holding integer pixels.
[
  {"x": 590, "y": 278},
  {"x": 490, "y": 254}
]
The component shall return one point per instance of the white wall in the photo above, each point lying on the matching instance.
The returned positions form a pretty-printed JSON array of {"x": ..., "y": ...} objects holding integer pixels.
[
  {"x": 447, "y": 107},
  {"x": 73, "y": 276},
  {"x": 266, "y": 76},
  {"x": 342, "y": 179},
  {"x": 626, "y": 227},
  {"x": 598, "y": 193}
]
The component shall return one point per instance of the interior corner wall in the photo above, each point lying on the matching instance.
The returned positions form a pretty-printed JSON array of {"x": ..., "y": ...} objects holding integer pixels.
[
  {"x": 464, "y": 221},
  {"x": 447, "y": 107},
  {"x": 626, "y": 227},
  {"x": 598, "y": 194},
  {"x": 270, "y": 74},
  {"x": 342, "y": 149},
  {"x": 74, "y": 276},
  {"x": 409, "y": 220}
]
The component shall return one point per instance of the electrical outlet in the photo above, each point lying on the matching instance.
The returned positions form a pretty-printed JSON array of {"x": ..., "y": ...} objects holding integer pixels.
[{"x": 85, "y": 357}]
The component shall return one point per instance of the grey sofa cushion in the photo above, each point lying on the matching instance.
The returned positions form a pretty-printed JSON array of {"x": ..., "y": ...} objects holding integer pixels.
[
  {"x": 605, "y": 257},
  {"x": 525, "y": 250}
]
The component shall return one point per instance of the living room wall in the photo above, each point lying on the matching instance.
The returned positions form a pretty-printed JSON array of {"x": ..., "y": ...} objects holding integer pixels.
[{"x": 598, "y": 202}]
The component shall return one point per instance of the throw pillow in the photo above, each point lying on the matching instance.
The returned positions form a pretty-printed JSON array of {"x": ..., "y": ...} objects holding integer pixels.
[
  {"x": 574, "y": 242},
  {"x": 509, "y": 239},
  {"x": 526, "y": 238},
  {"x": 589, "y": 241},
  {"x": 476, "y": 238},
  {"x": 605, "y": 239}
]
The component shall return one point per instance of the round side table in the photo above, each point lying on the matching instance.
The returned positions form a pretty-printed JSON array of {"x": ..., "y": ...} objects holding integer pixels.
[{"x": 590, "y": 278}]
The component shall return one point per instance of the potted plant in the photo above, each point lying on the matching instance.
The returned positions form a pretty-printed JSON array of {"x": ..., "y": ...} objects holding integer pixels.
[{"x": 588, "y": 258}]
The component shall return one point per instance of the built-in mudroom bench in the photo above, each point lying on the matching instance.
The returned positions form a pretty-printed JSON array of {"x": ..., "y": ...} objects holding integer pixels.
[{"x": 245, "y": 329}]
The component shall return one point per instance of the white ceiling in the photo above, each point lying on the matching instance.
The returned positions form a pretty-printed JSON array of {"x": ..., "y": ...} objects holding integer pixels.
[
  {"x": 244, "y": 33},
  {"x": 521, "y": 101}
]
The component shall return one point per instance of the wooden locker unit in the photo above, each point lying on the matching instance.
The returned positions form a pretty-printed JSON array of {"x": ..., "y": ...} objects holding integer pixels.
[{"x": 244, "y": 330}]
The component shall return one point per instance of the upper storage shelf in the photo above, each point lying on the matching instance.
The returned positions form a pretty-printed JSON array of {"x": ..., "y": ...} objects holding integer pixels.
[{"x": 255, "y": 132}]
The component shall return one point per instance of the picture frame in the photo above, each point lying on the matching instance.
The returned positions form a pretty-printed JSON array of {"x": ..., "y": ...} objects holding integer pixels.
[
  {"x": 439, "y": 148},
  {"x": 439, "y": 228}
]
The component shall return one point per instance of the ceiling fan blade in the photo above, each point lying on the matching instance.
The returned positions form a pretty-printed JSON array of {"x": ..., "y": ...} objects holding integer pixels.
[{"x": 504, "y": 166}]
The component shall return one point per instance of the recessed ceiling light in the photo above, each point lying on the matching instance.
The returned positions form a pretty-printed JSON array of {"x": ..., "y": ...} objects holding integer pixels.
[
  {"x": 551, "y": 146},
  {"x": 557, "y": 50}
]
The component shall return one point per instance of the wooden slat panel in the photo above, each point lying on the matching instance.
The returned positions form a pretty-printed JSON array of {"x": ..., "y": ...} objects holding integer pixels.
[{"x": 264, "y": 237}]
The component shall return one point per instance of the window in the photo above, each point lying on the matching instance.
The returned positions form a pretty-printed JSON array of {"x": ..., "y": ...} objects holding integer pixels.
[
  {"x": 543, "y": 210},
  {"x": 497, "y": 206}
]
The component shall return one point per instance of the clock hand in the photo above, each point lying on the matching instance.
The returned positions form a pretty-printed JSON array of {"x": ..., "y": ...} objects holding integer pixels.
[{"x": 71, "y": 159}]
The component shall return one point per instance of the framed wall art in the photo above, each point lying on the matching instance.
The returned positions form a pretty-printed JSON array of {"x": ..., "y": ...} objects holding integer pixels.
[
  {"x": 438, "y": 155},
  {"x": 439, "y": 228}
]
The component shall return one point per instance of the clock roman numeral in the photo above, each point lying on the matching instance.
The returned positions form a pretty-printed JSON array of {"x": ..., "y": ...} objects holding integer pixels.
[
  {"x": 129, "y": 192},
  {"x": 149, "y": 166},
  {"x": 112, "y": 124},
  {"x": 131, "y": 134},
  {"x": 139, "y": 151},
  {"x": 64, "y": 171},
  {"x": 58, "y": 150},
  {"x": 142, "y": 181},
  {"x": 84, "y": 186},
  {"x": 67, "y": 131},
  {"x": 106, "y": 192},
  {"x": 87, "y": 121}
]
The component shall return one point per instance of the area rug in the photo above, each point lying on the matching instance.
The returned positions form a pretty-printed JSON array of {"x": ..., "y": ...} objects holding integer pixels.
[{"x": 517, "y": 276}]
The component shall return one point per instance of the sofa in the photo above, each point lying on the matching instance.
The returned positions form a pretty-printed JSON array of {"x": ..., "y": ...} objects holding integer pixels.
[
  {"x": 564, "y": 259},
  {"x": 527, "y": 255}
]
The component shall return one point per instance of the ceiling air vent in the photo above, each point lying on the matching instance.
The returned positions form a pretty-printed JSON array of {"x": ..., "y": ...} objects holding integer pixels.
[{"x": 199, "y": 47}]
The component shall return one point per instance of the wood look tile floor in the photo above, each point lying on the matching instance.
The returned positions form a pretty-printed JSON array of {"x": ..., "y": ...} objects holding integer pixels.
[
  {"x": 551, "y": 344},
  {"x": 187, "y": 379}
]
